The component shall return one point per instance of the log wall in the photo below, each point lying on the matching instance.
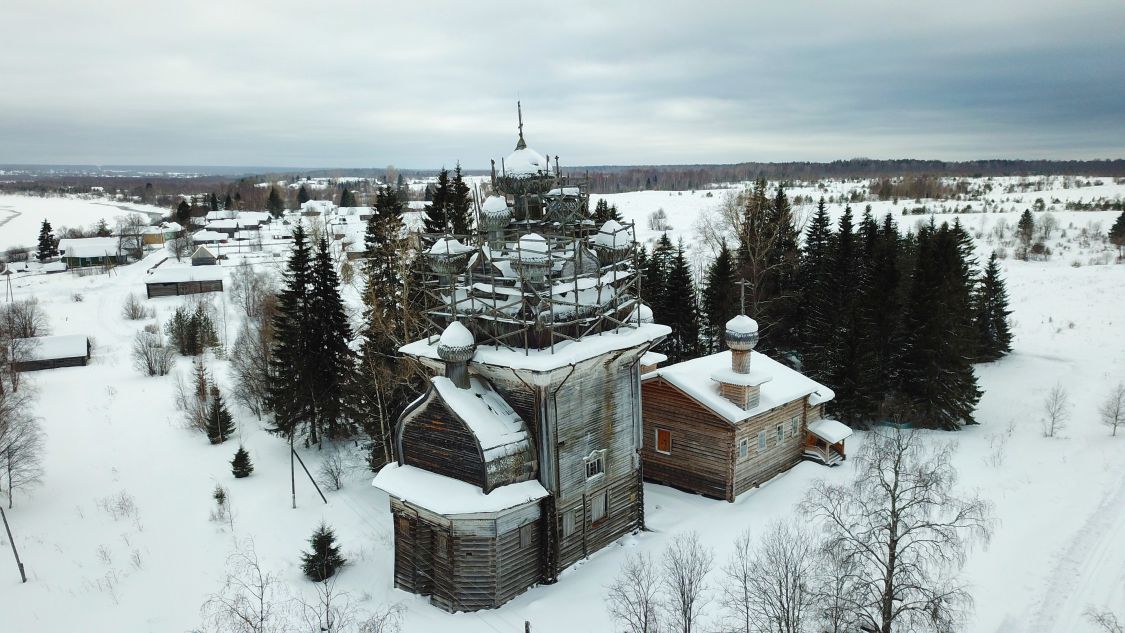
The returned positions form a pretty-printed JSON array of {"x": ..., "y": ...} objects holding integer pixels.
[
  {"x": 702, "y": 443},
  {"x": 434, "y": 439},
  {"x": 759, "y": 466}
]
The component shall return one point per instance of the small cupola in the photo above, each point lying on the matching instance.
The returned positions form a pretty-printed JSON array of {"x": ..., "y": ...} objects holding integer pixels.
[
  {"x": 739, "y": 383},
  {"x": 456, "y": 347}
]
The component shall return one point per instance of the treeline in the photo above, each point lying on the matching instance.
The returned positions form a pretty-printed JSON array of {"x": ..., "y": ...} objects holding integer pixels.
[
  {"x": 606, "y": 179},
  {"x": 892, "y": 323}
]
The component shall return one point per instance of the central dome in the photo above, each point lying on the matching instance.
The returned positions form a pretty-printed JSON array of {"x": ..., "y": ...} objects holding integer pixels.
[{"x": 524, "y": 162}]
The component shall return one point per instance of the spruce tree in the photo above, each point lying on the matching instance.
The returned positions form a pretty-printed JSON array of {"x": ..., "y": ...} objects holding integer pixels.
[
  {"x": 1117, "y": 232},
  {"x": 213, "y": 202},
  {"x": 817, "y": 313},
  {"x": 228, "y": 204},
  {"x": 720, "y": 298},
  {"x": 183, "y": 214},
  {"x": 654, "y": 284},
  {"x": 48, "y": 245},
  {"x": 437, "y": 212},
  {"x": 274, "y": 204},
  {"x": 849, "y": 367},
  {"x": 990, "y": 314},
  {"x": 882, "y": 306},
  {"x": 681, "y": 311},
  {"x": 292, "y": 342},
  {"x": 240, "y": 466},
  {"x": 604, "y": 212},
  {"x": 330, "y": 361},
  {"x": 220, "y": 424},
  {"x": 347, "y": 198},
  {"x": 323, "y": 559},
  {"x": 460, "y": 204},
  {"x": 1025, "y": 228},
  {"x": 302, "y": 195}
]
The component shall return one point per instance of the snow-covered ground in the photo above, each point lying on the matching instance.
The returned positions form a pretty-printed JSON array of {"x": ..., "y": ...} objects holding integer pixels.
[
  {"x": 21, "y": 216},
  {"x": 119, "y": 539}
]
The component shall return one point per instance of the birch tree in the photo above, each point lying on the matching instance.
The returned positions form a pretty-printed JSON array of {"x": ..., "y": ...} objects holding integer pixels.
[
  {"x": 1112, "y": 410},
  {"x": 686, "y": 564},
  {"x": 633, "y": 600}
]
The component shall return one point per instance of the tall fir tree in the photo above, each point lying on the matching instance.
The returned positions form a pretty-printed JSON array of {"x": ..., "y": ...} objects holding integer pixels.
[
  {"x": 1025, "y": 227},
  {"x": 274, "y": 203},
  {"x": 437, "y": 212},
  {"x": 882, "y": 307},
  {"x": 1117, "y": 232},
  {"x": 302, "y": 195},
  {"x": 213, "y": 202},
  {"x": 990, "y": 314},
  {"x": 720, "y": 298},
  {"x": 183, "y": 214},
  {"x": 817, "y": 313},
  {"x": 654, "y": 283},
  {"x": 604, "y": 212},
  {"x": 460, "y": 204},
  {"x": 220, "y": 424},
  {"x": 332, "y": 360},
  {"x": 292, "y": 344},
  {"x": 347, "y": 198},
  {"x": 48, "y": 245},
  {"x": 681, "y": 311},
  {"x": 228, "y": 204},
  {"x": 382, "y": 388}
]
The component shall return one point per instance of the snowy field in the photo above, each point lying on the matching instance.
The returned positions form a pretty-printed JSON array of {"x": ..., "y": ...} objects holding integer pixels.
[
  {"x": 21, "y": 216},
  {"x": 119, "y": 539}
]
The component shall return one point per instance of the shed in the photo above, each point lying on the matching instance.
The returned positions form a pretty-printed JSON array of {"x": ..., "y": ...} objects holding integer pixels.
[
  {"x": 50, "y": 352},
  {"x": 203, "y": 256},
  {"x": 171, "y": 282}
]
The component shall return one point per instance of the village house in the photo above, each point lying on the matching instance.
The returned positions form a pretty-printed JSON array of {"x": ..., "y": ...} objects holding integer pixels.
[
  {"x": 91, "y": 251},
  {"x": 722, "y": 424},
  {"x": 203, "y": 256},
  {"x": 522, "y": 457},
  {"x": 183, "y": 280},
  {"x": 49, "y": 352}
]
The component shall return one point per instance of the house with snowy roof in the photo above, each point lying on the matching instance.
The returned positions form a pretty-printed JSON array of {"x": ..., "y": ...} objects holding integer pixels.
[
  {"x": 522, "y": 457},
  {"x": 91, "y": 251},
  {"x": 722, "y": 424}
]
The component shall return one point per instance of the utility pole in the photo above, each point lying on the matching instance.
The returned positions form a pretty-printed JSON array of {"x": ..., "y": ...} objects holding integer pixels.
[
  {"x": 292, "y": 473},
  {"x": 23, "y": 575}
]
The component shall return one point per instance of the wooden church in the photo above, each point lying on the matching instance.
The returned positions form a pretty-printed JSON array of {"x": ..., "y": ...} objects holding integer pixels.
[{"x": 523, "y": 455}]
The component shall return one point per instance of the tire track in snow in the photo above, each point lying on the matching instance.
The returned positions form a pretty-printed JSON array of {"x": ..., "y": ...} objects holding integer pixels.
[{"x": 1087, "y": 563}]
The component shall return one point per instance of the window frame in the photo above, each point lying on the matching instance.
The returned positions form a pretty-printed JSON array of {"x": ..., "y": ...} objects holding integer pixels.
[
  {"x": 795, "y": 425},
  {"x": 744, "y": 448},
  {"x": 763, "y": 441},
  {"x": 780, "y": 433},
  {"x": 569, "y": 526},
  {"x": 667, "y": 433},
  {"x": 603, "y": 498},
  {"x": 596, "y": 459}
]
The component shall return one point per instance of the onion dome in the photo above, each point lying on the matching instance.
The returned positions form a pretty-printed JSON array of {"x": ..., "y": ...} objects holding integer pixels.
[
  {"x": 531, "y": 258},
  {"x": 642, "y": 314},
  {"x": 524, "y": 162},
  {"x": 448, "y": 256},
  {"x": 741, "y": 333},
  {"x": 495, "y": 213},
  {"x": 613, "y": 242},
  {"x": 456, "y": 344}
]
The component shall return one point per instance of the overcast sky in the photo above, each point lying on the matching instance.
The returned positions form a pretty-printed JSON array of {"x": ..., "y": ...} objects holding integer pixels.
[{"x": 421, "y": 84}]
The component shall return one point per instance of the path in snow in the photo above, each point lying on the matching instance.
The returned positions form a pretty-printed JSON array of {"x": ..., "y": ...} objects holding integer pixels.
[
  {"x": 1087, "y": 570},
  {"x": 12, "y": 214}
]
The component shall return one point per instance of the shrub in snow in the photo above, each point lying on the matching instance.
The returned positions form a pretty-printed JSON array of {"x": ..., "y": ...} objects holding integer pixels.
[
  {"x": 151, "y": 356},
  {"x": 192, "y": 330},
  {"x": 333, "y": 469},
  {"x": 322, "y": 562},
  {"x": 135, "y": 309},
  {"x": 1056, "y": 411},
  {"x": 221, "y": 511},
  {"x": 240, "y": 466}
]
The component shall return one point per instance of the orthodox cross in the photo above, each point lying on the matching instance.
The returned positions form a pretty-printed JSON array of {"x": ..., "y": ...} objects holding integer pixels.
[{"x": 742, "y": 283}]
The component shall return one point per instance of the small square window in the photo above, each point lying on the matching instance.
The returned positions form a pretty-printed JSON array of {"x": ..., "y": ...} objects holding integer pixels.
[
  {"x": 663, "y": 441},
  {"x": 761, "y": 441},
  {"x": 743, "y": 448},
  {"x": 598, "y": 507},
  {"x": 595, "y": 464}
]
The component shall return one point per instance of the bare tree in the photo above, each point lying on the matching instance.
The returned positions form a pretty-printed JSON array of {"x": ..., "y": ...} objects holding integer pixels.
[
  {"x": 1105, "y": 620},
  {"x": 23, "y": 319},
  {"x": 1056, "y": 410},
  {"x": 181, "y": 246},
  {"x": 251, "y": 600},
  {"x": 832, "y": 593},
  {"x": 250, "y": 360},
  {"x": 151, "y": 355},
  {"x": 1112, "y": 410},
  {"x": 135, "y": 309},
  {"x": 21, "y": 443},
  {"x": 253, "y": 290},
  {"x": 334, "y": 469},
  {"x": 903, "y": 532},
  {"x": 633, "y": 600},
  {"x": 770, "y": 589},
  {"x": 686, "y": 564},
  {"x": 130, "y": 234}
]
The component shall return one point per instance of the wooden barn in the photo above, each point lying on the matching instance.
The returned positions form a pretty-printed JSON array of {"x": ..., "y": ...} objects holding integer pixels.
[
  {"x": 521, "y": 458},
  {"x": 50, "y": 352},
  {"x": 203, "y": 256},
  {"x": 725, "y": 423},
  {"x": 183, "y": 280}
]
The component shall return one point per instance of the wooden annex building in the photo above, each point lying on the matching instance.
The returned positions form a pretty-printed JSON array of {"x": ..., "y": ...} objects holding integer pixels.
[
  {"x": 521, "y": 458},
  {"x": 49, "y": 352},
  {"x": 183, "y": 280},
  {"x": 725, "y": 423}
]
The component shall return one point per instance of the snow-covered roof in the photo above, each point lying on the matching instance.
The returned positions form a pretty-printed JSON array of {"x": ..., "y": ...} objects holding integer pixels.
[
  {"x": 564, "y": 191},
  {"x": 532, "y": 247},
  {"x": 448, "y": 496},
  {"x": 494, "y": 204},
  {"x": 742, "y": 324},
  {"x": 208, "y": 236},
  {"x": 183, "y": 274},
  {"x": 613, "y": 235},
  {"x": 318, "y": 205},
  {"x": 449, "y": 246},
  {"x": 457, "y": 335},
  {"x": 653, "y": 358},
  {"x": 491, "y": 419},
  {"x": 830, "y": 431},
  {"x": 566, "y": 353},
  {"x": 694, "y": 378},
  {"x": 51, "y": 347},
  {"x": 215, "y": 225},
  {"x": 89, "y": 247},
  {"x": 524, "y": 162},
  {"x": 203, "y": 251}
]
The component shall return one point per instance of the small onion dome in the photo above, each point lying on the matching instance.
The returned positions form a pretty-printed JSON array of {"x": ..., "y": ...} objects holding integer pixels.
[
  {"x": 456, "y": 344},
  {"x": 448, "y": 256},
  {"x": 643, "y": 312},
  {"x": 494, "y": 213},
  {"x": 524, "y": 162},
  {"x": 742, "y": 333},
  {"x": 613, "y": 236},
  {"x": 532, "y": 248}
]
